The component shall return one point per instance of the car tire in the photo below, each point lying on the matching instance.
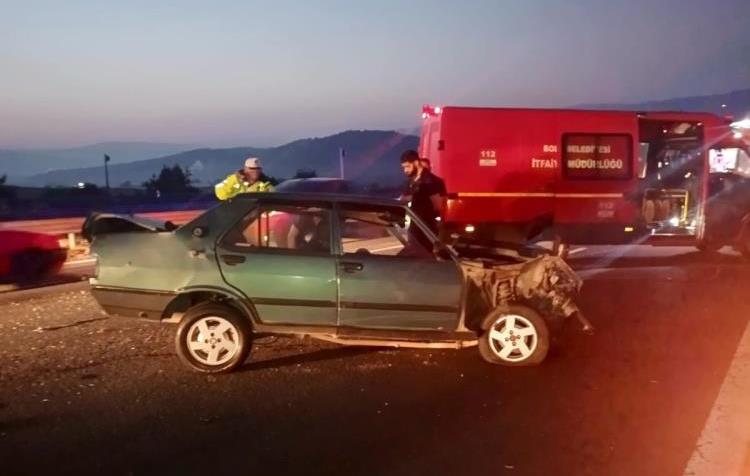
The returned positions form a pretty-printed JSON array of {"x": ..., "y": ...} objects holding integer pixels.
[
  {"x": 709, "y": 247},
  {"x": 514, "y": 335},
  {"x": 213, "y": 338},
  {"x": 30, "y": 265}
]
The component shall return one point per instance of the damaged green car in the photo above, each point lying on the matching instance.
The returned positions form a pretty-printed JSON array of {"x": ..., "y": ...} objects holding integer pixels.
[{"x": 344, "y": 269}]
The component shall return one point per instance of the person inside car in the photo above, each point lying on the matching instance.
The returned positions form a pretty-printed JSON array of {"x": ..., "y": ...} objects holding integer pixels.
[{"x": 311, "y": 233}]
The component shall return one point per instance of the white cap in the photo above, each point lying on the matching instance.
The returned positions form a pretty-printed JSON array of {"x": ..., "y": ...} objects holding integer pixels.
[{"x": 252, "y": 163}]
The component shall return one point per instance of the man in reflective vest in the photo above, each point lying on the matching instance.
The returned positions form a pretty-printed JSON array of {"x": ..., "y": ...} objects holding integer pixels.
[{"x": 248, "y": 179}]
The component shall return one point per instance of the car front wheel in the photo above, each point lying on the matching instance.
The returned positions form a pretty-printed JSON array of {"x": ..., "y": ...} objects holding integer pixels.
[
  {"x": 514, "y": 335},
  {"x": 213, "y": 338}
]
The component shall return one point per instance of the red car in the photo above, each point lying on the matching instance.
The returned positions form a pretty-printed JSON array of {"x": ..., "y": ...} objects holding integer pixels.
[{"x": 26, "y": 255}]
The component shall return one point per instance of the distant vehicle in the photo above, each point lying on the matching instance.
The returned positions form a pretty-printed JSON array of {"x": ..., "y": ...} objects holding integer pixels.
[
  {"x": 335, "y": 267},
  {"x": 26, "y": 256},
  {"x": 586, "y": 177}
]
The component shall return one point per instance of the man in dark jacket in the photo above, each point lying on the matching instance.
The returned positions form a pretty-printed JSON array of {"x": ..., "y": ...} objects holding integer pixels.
[{"x": 425, "y": 192}]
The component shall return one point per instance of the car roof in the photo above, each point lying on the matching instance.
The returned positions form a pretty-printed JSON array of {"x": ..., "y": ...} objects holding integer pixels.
[{"x": 320, "y": 197}]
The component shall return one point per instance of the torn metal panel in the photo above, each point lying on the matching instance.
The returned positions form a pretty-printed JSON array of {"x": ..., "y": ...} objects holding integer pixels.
[{"x": 546, "y": 282}]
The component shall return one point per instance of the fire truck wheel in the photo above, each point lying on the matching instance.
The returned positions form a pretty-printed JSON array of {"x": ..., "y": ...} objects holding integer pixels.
[
  {"x": 515, "y": 336},
  {"x": 743, "y": 243},
  {"x": 709, "y": 246}
]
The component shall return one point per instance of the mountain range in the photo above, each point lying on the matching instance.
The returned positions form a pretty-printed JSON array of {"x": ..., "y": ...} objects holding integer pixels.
[
  {"x": 21, "y": 163},
  {"x": 735, "y": 103},
  {"x": 371, "y": 156}
]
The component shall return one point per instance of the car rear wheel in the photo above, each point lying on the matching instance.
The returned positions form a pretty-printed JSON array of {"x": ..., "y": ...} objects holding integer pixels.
[
  {"x": 213, "y": 338},
  {"x": 515, "y": 336}
]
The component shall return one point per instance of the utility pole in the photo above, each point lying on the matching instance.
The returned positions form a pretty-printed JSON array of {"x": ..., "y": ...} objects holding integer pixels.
[
  {"x": 106, "y": 170},
  {"x": 342, "y": 154}
]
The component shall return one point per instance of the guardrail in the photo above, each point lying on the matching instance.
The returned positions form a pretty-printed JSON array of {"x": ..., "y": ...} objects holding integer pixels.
[{"x": 71, "y": 227}]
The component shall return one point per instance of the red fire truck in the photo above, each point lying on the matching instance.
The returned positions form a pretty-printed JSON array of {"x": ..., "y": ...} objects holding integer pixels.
[{"x": 584, "y": 177}]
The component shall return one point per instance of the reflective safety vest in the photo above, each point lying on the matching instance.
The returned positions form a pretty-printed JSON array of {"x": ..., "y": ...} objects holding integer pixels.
[{"x": 233, "y": 185}]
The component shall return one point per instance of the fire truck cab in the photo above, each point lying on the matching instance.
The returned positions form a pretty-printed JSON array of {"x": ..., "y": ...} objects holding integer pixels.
[{"x": 579, "y": 176}]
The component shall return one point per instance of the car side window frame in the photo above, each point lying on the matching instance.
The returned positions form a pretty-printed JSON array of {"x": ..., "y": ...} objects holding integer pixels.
[
  {"x": 267, "y": 205},
  {"x": 339, "y": 234}
]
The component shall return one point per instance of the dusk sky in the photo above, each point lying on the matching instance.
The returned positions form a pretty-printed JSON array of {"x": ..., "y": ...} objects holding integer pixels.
[{"x": 224, "y": 73}]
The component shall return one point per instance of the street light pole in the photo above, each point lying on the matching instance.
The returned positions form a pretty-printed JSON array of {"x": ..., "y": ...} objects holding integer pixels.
[
  {"x": 106, "y": 170},
  {"x": 342, "y": 154}
]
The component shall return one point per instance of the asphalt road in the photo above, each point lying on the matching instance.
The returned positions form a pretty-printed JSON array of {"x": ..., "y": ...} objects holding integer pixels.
[{"x": 81, "y": 393}]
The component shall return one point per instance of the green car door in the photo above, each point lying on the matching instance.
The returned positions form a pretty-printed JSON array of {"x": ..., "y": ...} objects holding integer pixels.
[
  {"x": 387, "y": 279},
  {"x": 279, "y": 256}
]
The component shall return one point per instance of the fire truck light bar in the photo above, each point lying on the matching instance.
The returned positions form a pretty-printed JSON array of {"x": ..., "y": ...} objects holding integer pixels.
[{"x": 431, "y": 111}]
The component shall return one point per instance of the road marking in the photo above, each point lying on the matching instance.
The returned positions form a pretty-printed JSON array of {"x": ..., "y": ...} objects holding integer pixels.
[
  {"x": 722, "y": 447},
  {"x": 577, "y": 250}
]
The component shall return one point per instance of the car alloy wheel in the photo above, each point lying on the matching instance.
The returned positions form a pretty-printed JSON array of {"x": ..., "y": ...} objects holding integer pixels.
[
  {"x": 514, "y": 336},
  {"x": 213, "y": 340}
]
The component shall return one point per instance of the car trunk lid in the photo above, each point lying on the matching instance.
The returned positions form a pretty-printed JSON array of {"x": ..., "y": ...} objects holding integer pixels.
[{"x": 107, "y": 223}]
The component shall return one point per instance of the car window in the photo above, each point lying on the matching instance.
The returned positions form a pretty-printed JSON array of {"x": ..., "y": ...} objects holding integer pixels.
[
  {"x": 381, "y": 232},
  {"x": 305, "y": 229}
]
